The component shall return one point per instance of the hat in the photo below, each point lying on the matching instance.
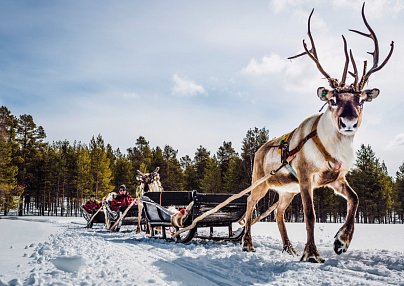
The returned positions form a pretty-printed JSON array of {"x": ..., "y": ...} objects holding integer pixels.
[{"x": 122, "y": 187}]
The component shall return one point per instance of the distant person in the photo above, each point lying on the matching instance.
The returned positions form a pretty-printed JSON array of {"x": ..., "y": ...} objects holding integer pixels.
[{"x": 92, "y": 205}]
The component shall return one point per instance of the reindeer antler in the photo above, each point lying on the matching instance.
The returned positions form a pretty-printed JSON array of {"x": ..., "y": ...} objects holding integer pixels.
[
  {"x": 312, "y": 53},
  {"x": 355, "y": 73},
  {"x": 375, "y": 53},
  {"x": 344, "y": 73}
]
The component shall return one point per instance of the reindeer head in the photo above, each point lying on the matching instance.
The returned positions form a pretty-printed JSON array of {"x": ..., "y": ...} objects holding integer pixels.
[
  {"x": 150, "y": 181},
  {"x": 345, "y": 102}
]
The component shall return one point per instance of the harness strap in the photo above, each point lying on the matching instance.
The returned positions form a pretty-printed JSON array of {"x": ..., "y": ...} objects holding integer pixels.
[
  {"x": 321, "y": 148},
  {"x": 287, "y": 156},
  {"x": 327, "y": 156},
  {"x": 312, "y": 134}
]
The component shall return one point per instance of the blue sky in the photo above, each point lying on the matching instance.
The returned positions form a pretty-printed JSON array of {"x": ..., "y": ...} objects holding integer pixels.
[{"x": 190, "y": 73}]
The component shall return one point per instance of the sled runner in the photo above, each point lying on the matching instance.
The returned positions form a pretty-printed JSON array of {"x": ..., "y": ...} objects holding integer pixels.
[
  {"x": 99, "y": 217},
  {"x": 158, "y": 213}
]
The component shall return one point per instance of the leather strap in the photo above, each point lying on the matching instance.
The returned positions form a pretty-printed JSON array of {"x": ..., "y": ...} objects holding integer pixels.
[
  {"x": 313, "y": 135},
  {"x": 287, "y": 156},
  {"x": 320, "y": 146}
]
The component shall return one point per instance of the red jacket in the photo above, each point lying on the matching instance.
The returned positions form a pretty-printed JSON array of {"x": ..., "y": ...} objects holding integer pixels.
[
  {"x": 91, "y": 206},
  {"x": 121, "y": 201}
]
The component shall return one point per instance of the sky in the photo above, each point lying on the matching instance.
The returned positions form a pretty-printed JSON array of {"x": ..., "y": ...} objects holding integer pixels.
[{"x": 191, "y": 73}]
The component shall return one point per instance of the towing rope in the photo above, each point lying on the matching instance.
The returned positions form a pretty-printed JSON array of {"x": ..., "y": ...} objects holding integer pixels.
[{"x": 221, "y": 205}]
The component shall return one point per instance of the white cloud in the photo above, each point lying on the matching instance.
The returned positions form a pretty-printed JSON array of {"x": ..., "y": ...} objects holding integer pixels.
[
  {"x": 268, "y": 65},
  {"x": 281, "y": 5},
  {"x": 373, "y": 9},
  {"x": 186, "y": 87},
  {"x": 398, "y": 141}
]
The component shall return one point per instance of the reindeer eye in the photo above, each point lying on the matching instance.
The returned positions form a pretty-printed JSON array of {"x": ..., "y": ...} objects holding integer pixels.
[{"x": 333, "y": 102}]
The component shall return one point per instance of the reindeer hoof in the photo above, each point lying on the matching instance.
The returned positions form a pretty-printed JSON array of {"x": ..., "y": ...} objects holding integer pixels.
[
  {"x": 290, "y": 250},
  {"x": 339, "y": 246},
  {"x": 248, "y": 248},
  {"x": 312, "y": 259},
  {"x": 311, "y": 254}
]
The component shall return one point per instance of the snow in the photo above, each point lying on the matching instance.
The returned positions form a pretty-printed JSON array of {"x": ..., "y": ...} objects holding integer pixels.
[{"x": 60, "y": 251}]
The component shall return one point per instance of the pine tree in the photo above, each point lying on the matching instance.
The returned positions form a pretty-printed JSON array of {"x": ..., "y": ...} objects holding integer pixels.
[
  {"x": 140, "y": 156},
  {"x": 370, "y": 181},
  {"x": 201, "y": 160},
  {"x": 211, "y": 181},
  {"x": 190, "y": 174},
  {"x": 30, "y": 138},
  {"x": 399, "y": 194},
  {"x": 123, "y": 172},
  {"x": 173, "y": 178},
  {"x": 233, "y": 175},
  {"x": 158, "y": 160},
  {"x": 8, "y": 171},
  {"x": 251, "y": 143},
  {"x": 84, "y": 179},
  {"x": 225, "y": 153},
  {"x": 231, "y": 168},
  {"x": 100, "y": 167}
]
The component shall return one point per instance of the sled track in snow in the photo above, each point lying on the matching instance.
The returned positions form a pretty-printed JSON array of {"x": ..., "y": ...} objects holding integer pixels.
[
  {"x": 126, "y": 258},
  {"x": 192, "y": 270},
  {"x": 267, "y": 265}
]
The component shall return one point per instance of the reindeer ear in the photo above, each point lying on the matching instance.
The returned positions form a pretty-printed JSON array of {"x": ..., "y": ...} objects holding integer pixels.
[
  {"x": 324, "y": 94},
  {"x": 140, "y": 173},
  {"x": 157, "y": 169},
  {"x": 369, "y": 94}
]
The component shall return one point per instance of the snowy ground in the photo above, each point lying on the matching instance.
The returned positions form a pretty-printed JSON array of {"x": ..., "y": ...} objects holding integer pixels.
[{"x": 59, "y": 251}]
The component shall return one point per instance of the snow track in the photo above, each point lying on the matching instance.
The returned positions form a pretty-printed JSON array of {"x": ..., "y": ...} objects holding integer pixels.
[{"x": 79, "y": 256}]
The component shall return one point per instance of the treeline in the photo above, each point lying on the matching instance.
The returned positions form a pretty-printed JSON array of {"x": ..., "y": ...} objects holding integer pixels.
[{"x": 55, "y": 178}]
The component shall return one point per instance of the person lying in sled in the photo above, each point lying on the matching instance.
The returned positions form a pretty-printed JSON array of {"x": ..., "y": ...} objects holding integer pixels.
[{"x": 92, "y": 205}]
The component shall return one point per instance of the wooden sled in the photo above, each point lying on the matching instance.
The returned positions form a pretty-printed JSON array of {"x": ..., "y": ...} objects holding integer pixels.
[
  {"x": 130, "y": 218},
  {"x": 157, "y": 214},
  {"x": 99, "y": 217}
]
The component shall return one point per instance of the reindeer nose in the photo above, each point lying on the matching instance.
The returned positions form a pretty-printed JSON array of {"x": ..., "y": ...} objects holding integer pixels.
[{"x": 348, "y": 124}]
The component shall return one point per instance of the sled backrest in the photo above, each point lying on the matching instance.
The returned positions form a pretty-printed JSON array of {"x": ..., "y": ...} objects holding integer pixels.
[{"x": 166, "y": 199}]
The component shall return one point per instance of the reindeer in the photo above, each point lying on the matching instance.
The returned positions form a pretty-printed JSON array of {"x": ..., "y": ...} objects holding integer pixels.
[
  {"x": 317, "y": 153},
  {"x": 149, "y": 182}
]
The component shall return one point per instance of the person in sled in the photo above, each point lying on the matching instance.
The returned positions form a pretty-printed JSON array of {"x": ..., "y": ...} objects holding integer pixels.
[
  {"x": 91, "y": 207},
  {"x": 120, "y": 203},
  {"x": 122, "y": 200}
]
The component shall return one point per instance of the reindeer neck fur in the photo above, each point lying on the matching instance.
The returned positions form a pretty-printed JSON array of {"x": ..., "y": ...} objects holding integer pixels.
[{"x": 338, "y": 145}]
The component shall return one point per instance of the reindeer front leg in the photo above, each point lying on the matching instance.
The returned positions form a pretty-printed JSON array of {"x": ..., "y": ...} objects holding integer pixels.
[
  {"x": 310, "y": 253},
  {"x": 345, "y": 233}
]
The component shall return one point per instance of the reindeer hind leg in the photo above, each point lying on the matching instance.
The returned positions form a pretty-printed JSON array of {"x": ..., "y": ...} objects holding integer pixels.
[
  {"x": 284, "y": 201},
  {"x": 252, "y": 200}
]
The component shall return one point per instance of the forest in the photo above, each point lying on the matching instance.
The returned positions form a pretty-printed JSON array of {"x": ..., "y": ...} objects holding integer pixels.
[{"x": 42, "y": 178}]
